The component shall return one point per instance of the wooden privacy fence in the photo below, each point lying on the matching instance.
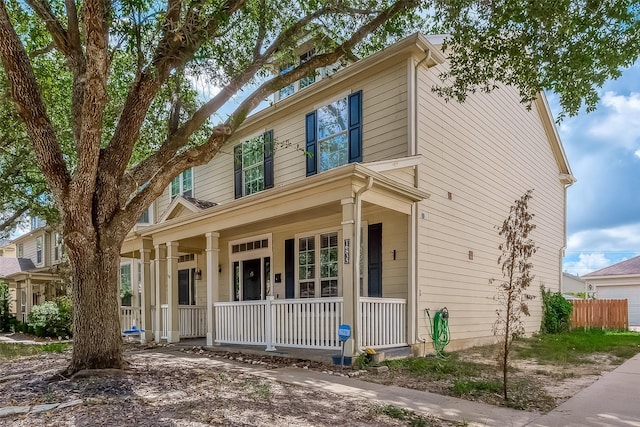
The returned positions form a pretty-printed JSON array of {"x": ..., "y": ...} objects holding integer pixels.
[{"x": 600, "y": 313}]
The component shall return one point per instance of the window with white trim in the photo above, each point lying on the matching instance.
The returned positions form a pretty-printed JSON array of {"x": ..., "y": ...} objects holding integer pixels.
[
  {"x": 20, "y": 250},
  {"x": 333, "y": 134},
  {"x": 39, "y": 250},
  {"x": 253, "y": 165},
  {"x": 182, "y": 185},
  {"x": 57, "y": 247},
  {"x": 145, "y": 218},
  {"x": 318, "y": 266}
]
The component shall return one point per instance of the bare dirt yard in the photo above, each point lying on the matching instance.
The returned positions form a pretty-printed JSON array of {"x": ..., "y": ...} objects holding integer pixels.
[
  {"x": 473, "y": 374},
  {"x": 165, "y": 387}
]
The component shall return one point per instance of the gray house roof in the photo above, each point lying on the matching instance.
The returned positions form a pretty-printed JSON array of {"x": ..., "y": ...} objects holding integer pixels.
[
  {"x": 9, "y": 265},
  {"x": 628, "y": 267}
]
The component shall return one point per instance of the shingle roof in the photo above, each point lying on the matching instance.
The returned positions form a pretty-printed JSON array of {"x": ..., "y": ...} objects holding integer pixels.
[
  {"x": 630, "y": 266},
  {"x": 9, "y": 265},
  {"x": 199, "y": 203}
]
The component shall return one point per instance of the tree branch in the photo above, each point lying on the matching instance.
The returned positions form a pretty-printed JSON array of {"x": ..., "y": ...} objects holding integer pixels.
[
  {"x": 55, "y": 28},
  {"x": 25, "y": 93},
  {"x": 173, "y": 51},
  {"x": 8, "y": 223}
]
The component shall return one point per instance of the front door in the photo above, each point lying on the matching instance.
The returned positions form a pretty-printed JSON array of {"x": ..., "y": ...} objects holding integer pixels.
[
  {"x": 186, "y": 291},
  {"x": 251, "y": 283}
]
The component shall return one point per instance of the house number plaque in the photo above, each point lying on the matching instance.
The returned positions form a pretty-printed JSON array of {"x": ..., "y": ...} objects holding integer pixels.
[{"x": 347, "y": 250}]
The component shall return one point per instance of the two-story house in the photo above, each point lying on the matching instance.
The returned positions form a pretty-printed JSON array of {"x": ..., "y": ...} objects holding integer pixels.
[
  {"x": 28, "y": 264},
  {"x": 362, "y": 199}
]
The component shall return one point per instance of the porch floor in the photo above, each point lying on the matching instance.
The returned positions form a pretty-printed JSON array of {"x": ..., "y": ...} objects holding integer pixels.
[{"x": 322, "y": 356}]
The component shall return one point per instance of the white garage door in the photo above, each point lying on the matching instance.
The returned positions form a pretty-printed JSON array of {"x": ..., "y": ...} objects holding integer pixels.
[{"x": 630, "y": 293}]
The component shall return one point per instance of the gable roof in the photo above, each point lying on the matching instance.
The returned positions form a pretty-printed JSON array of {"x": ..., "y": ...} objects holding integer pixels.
[
  {"x": 9, "y": 265},
  {"x": 181, "y": 204},
  {"x": 628, "y": 267}
]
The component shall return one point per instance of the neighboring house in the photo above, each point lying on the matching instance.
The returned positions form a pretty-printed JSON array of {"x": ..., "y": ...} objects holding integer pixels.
[
  {"x": 29, "y": 265},
  {"x": 574, "y": 286},
  {"x": 363, "y": 199},
  {"x": 619, "y": 281}
]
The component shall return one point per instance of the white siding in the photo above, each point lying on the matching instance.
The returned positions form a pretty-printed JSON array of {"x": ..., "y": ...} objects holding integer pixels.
[
  {"x": 384, "y": 133},
  {"x": 486, "y": 152}
]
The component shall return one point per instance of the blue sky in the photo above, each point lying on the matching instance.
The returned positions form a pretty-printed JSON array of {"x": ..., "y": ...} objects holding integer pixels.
[{"x": 603, "y": 207}]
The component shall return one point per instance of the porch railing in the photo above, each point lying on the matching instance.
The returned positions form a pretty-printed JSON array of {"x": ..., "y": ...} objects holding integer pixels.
[
  {"x": 308, "y": 323},
  {"x": 304, "y": 323},
  {"x": 383, "y": 322},
  {"x": 241, "y": 322},
  {"x": 130, "y": 316},
  {"x": 193, "y": 321},
  {"x": 164, "y": 315}
]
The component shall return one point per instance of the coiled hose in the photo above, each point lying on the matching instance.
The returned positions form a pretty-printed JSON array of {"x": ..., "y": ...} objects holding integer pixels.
[{"x": 439, "y": 328}]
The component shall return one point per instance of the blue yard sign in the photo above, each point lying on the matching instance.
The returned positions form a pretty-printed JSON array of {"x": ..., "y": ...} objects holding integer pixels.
[{"x": 344, "y": 332}]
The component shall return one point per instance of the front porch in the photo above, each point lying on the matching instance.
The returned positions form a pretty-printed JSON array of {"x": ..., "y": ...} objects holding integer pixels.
[
  {"x": 283, "y": 268},
  {"x": 309, "y": 323}
]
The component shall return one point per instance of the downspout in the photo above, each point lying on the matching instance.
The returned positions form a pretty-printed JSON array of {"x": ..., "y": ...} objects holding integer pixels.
[
  {"x": 414, "y": 211},
  {"x": 356, "y": 259}
]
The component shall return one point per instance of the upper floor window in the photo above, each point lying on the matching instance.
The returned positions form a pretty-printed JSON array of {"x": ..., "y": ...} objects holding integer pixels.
[
  {"x": 305, "y": 81},
  {"x": 57, "y": 246},
  {"x": 334, "y": 134},
  {"x": 20, "y": 250},
  {"x": 36, "y": 222},
  {"x": 39, "y": 250},
  {"x": 253, "y": 165},
  {"x": 182, "y": 185},
  {"x": 145, "y": 218}
]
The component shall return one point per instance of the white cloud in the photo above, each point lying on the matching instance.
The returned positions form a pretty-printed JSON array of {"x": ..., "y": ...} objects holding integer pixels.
[
  {"x": 587, "y": 263},
  {"x": 637, "y": 153},
  {"x": 621, "y": 125},
  {"x": 625, "y": 238}
]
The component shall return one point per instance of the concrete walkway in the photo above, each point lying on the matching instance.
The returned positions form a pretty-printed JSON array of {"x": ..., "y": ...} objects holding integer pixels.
[
  {"x": 422, "y": 402},
  {"x": 613, "y": 400}
]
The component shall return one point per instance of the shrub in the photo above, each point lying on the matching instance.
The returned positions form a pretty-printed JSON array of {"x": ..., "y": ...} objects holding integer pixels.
[
  {"x": 6, "y": 319},
  {"x": 51, "y": 319},
  {"x": 556, "y": 312}
]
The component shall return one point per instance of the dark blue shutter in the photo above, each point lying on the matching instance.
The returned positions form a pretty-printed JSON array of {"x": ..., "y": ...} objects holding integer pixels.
[
  {"x": 311, "y": 152},
  {"x": 355, "y": 127},
  {"x": 237, "y": 171},
  {"x": 268, "y": 159}
]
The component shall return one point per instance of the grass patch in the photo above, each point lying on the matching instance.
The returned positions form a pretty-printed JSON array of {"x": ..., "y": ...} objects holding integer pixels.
[
  {"x": 475, "y": 387},
  {"x": 411, "y": 418},
  {"x": 438, "y": 368},
  {"x": 574, "y": 347},
  {"x": 15, "y": 350}
]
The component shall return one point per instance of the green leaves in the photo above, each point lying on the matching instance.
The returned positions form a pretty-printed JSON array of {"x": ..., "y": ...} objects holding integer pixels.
[{"x": 568, "y": 47}]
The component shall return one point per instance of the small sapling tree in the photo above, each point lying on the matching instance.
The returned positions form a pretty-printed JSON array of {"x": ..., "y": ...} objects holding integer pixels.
[{"x": 517, "y": 249}]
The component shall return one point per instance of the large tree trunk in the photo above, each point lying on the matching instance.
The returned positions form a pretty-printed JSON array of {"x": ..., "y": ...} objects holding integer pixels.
[{"x": 97, "y": 343}]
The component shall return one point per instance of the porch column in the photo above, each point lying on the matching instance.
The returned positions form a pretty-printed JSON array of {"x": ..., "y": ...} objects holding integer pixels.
[
  {"x": 213, "y": 279},
  {"x": 145, "y": 304},
  {"x": 412, "y": 274},
  {"x": 173, "y": 329},
  {"x": 350, "y": 283},
  {"x": 29, "y": 303},
  {"x": 160, "y": 269}
]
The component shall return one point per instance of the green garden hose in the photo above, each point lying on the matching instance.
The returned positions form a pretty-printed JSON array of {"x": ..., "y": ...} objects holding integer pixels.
[{"x": 439, "y": 329}]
